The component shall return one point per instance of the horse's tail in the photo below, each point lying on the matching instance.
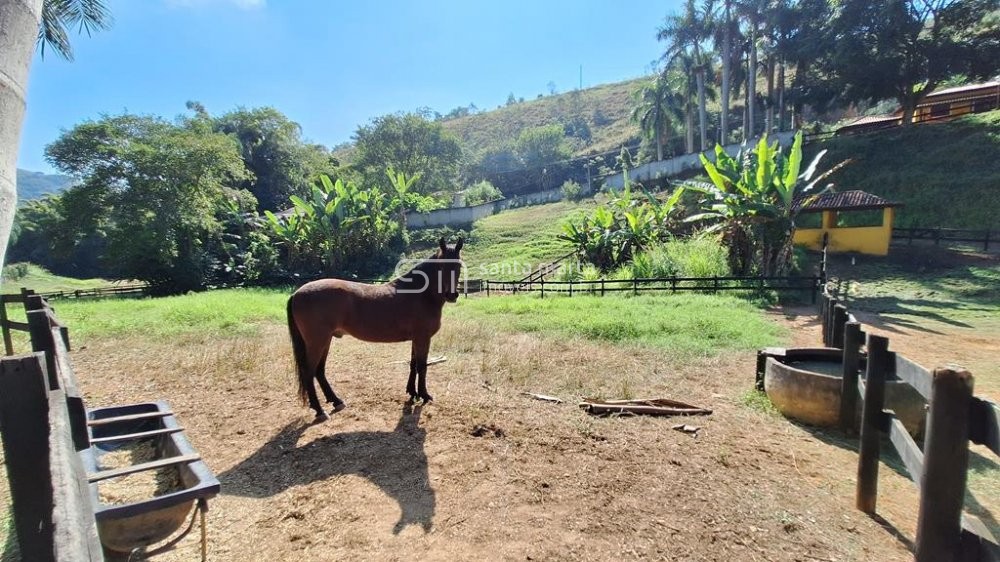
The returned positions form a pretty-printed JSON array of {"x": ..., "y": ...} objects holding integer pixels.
[{"x": 299, "y": 352}]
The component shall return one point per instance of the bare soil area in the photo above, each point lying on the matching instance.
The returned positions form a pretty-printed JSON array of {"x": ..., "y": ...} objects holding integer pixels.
[{"x": 386, "y": 481}]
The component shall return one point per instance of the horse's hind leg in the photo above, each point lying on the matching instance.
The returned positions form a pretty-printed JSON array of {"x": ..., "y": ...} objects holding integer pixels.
[
  {"x": 418, "y": 369},
  {"x": 324, "y": 385}
]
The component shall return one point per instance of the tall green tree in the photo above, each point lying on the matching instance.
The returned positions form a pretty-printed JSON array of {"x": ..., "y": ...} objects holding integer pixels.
[
  {"x": 157, "y": 189},
  {"x": 904, "y": 49},
  {"x": 410, "y": 144},
  {"x": 22, "y": 24},
  {"x": 687, "y": 34},
  {"x": 543, "y": 152},
  {"x": 280, "y": 162}
]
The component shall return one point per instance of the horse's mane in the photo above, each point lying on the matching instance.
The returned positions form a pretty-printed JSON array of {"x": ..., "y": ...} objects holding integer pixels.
[{"x": 410, "y": 281}]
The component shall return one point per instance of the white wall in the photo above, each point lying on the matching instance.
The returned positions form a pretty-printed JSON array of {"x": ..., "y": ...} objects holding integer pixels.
[{"x": 681, "y": 164}]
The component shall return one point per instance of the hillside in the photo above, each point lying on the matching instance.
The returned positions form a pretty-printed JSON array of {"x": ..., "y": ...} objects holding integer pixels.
[
  {"x": 605, "y": 109},
  {"x": 946, "y": 174},
  {"x": 32, "y": 185}
]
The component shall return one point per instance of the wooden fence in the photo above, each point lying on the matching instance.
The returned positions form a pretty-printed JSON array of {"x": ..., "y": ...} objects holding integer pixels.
[
  {"x": 940, "y": 468},
  {"x": 26, "y": 298},
  {"x": 939, "y": 236},
  {"x": 809, "y": 284},
  {"x": 116, "y": 291},
  {"x": 43, "y": 425}
]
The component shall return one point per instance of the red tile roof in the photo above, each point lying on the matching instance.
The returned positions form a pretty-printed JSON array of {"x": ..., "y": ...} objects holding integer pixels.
[
  {"x": 962, "y": 89},
  {"x": 853, "y": 200}
]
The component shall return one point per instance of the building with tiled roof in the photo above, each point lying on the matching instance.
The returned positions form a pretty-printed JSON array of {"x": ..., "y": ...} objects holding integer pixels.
[
  {"x": 936, "y": 106},
  {"x": 849, "y": 221}
]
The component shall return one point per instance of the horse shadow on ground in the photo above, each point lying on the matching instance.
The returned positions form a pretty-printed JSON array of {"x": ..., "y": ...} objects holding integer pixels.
[
  {"x": 889, "y": 312},
  {"x": 888, "y": 455},
  {"x": 395, "y": 461}
]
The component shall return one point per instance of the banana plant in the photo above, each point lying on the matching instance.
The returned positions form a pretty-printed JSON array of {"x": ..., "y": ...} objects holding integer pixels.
[{"x": 753, "y": 199}]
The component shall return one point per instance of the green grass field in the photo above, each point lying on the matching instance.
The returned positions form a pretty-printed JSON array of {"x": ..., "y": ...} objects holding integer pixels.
[{"x": 686, "y": 325}]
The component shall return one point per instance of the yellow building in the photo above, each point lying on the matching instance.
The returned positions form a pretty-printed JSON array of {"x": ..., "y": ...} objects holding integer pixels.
[{"x": 852, "y": 221}]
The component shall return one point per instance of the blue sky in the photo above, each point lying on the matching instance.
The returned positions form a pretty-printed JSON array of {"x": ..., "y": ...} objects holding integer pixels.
[{"x": 333, "y": 65}]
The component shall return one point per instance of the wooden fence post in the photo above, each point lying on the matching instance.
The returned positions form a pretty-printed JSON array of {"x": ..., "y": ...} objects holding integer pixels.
[
  {"x": 24, "y": 424},
  {"x": 849, "y": 381},
  {"x": 839, "y": 320},
  {"x": 543, "y": 287},
  {"x": 8, "y": 344},
  {"x": 872, "y": 423},
  {"x": 602, "y": 286},
  {"x": 571, "y": 287},
  {"x": 946, "y": 462}
]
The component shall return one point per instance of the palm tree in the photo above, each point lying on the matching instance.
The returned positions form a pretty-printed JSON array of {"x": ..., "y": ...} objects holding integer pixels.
[
  {"x": 687, "y": 32},
  {"x": 25, "y": 22},
  {"x": 657, "y": 104},
  {"x": 723, "y": 34},
  {"x": 752, "y": 12}
]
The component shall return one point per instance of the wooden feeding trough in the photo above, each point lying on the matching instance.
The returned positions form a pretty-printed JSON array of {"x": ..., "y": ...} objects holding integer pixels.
[{"x": 144, "y": 475}]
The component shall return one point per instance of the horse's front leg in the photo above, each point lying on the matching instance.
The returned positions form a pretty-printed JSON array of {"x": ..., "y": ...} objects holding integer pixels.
[{"x": 418, "y": 370}]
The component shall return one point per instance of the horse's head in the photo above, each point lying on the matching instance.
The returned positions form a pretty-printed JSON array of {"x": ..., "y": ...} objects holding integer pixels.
[{"x": 448, "y": 263}]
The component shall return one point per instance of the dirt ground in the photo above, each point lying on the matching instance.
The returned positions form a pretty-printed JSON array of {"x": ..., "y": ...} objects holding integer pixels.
[{"x": 384, "y": 481}]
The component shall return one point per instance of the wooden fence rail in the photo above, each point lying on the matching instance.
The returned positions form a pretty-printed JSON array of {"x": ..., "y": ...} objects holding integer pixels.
[
  {"x": 940, "y": 468},
  {"x": 946, "y": 236}
]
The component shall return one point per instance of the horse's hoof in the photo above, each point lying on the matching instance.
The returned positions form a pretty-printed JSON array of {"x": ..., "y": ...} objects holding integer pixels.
[
  {"x": 320, "y": 418},
  {"x": 427, "y": 398},
  {"x": 338, "y": 407},
  {"x": 412, "y": 399}
]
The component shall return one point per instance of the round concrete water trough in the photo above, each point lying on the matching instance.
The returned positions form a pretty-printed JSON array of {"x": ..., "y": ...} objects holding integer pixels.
[{"x": 805, "y": 385}]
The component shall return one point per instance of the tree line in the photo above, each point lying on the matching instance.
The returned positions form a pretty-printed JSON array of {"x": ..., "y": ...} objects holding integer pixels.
[{"x": 769, "y": 61}]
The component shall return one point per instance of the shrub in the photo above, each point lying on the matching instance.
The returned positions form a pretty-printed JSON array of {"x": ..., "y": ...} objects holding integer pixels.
[
  {"x": 572, "y": 191},
  {"x": 15, "y": 271},
  {"x": 569, "y": 271},
  {"x": 702, "y": 256},
  {"x": 482, "y": 192}
]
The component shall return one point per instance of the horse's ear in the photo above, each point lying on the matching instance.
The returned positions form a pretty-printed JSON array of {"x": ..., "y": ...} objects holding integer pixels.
[
  {"x": 442, "y": 244},
  {"x": 458, "y": 247}
]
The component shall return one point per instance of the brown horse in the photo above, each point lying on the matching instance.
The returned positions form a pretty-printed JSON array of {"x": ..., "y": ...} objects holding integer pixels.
[{"x": 406, "y": 308}]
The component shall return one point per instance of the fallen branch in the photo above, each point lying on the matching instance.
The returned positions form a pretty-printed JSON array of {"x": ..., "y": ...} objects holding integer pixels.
[
  {"x": 649, "y": 407},
  {"x": 543, "y": 397}
]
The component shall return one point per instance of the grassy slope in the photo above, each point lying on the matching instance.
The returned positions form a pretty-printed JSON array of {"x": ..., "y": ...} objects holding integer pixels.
[
  {"x": 605, "y": 108},
  {"x": 42, "y": 281},
  {"x": 945, "y": 174},
  {"x": 503, "y": 245}
]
